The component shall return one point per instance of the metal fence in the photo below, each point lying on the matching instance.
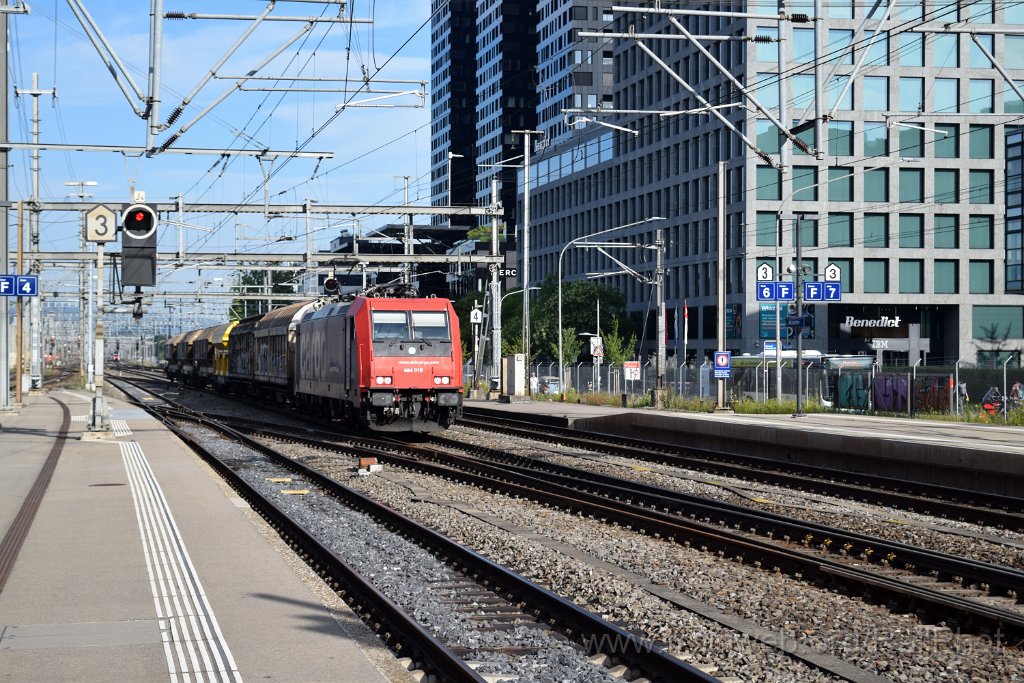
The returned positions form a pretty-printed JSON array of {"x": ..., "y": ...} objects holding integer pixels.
[{"x": 935, "y": 389}]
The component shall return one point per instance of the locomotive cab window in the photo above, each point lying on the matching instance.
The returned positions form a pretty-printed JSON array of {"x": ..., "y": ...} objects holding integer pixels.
[
  {"x": 390, "y": 325},
  {"x": 431, "y": 325}
]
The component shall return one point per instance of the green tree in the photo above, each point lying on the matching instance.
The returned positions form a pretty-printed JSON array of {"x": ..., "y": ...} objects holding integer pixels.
[
  {"x": 617, "y": 347},
  {"x": 580, "y": 301},
  {"x": 482, "y": 233},
  {"x": 255, "y": 282}
]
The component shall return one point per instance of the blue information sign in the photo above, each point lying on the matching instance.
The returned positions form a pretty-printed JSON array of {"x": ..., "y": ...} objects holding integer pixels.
[
  {"x": 766, "y": 291},
  {"x": 814, "y": 291},
  {"x": 27, "y": 285},
  {"x": 785, "y": 291},
  {"x": 723, "y": 365},
  {"x": 7, "y": 285},
  {"x": 833, "y": 290}
]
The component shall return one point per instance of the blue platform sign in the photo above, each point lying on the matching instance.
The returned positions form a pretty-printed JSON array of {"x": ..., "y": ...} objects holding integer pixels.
[
  {"x": 833, "y": 290},
  {"x": 27, "y": 285},
  {"x": 723, "y": 365},
  {"x": 814, "y": 291},
  {"x": 7, "y": 285},
  {"x": 766, "y": 291},
  {"x": 785, "y": 291}
]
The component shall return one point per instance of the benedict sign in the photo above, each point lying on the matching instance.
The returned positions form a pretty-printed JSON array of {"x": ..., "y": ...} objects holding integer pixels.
[{"x": 884, "y": 321}]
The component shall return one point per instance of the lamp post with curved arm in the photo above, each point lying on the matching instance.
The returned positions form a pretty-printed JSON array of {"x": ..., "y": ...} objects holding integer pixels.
[{"x": 561, "y": 377}]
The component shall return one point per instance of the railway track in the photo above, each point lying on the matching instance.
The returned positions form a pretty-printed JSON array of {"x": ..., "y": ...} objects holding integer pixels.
[
  {"x": 967, "y": 506},
  {"x": 958, "y": 592},
  {"x": 489, "y": 595}
]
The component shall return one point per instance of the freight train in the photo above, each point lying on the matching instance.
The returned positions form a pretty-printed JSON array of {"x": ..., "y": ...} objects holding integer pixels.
[{"x": 385, "y": 361}]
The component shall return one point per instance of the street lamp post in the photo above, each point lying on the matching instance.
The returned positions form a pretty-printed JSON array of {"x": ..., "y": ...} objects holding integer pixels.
[
  {"x": 526, "y": 237},
  {"x": 561, "y": 254}
]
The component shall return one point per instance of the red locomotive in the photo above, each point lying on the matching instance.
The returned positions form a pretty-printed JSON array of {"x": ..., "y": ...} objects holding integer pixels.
[{"x": 387, "y": 363}]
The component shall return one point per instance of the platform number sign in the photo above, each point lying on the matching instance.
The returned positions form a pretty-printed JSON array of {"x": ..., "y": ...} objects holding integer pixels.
[
  {"x": 767, "y": 291},
  {"x": 723, "y": 365},
  {"x": 785, "y": 291},
  {"x": 19, "y": 285},
  {"x": 100, "y": 224}
]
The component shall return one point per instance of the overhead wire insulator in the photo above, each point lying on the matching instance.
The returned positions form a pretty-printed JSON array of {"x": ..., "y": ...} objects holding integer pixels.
[
  {"x": 800, "y": 18},
  {"x": 174, "y": 115},
  {"x": 175, "y": 15},
  {"x": 803, "y": 146},
  {"x": 765, "y": 158},
  {"x": 762, "y": 39}
]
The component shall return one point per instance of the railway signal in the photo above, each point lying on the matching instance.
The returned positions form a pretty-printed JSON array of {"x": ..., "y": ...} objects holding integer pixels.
[{"x": 138, "y": 245}]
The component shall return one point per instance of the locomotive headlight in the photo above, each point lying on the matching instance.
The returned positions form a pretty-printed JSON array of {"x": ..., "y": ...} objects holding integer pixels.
[
  {"x": 437, "y": 380},
  {"x": 442, "y": 380},
  {"x": 381, "y": 379},
  {"x": 387, "y": 380}
]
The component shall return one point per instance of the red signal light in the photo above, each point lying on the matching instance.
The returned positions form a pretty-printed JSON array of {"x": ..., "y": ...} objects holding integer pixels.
[{"x": 139, "y": 216}]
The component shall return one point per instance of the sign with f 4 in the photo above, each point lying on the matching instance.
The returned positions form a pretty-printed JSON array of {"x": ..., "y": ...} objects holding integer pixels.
[{"x": 27, "y": 285}]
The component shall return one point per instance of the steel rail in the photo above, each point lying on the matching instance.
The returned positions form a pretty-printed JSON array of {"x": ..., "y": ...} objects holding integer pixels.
[{"x": 999, "y": 511}]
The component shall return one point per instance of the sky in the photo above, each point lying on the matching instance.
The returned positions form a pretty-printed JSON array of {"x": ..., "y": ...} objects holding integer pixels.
[{"x": 372, "y": 147}]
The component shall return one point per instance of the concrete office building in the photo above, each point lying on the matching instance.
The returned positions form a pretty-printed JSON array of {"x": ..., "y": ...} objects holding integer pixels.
[{"x": 910, "y": 192}]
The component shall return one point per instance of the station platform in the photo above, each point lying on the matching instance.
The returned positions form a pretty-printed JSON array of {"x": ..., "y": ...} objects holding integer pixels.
[
  {"x": 140, "y": 564},
  {"x": 988, "y": 458}
]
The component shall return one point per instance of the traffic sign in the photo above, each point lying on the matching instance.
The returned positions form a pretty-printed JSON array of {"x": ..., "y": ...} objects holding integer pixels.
[
  {"x": 770, "y": 347},
  {"x": 767, "y": 291},
  {"x": 785, "y": 291},
  {"x": 814, "y": 291},
  {"x": 27, "y": 285},
  {"x": 833, "y": 272},
  {"x": 723, "y": 365},
  {"x": 631, "y": 370},
  {"x": 100, "y": 224},
  {"x": 765, "y": 272},
  {"x": 796, "y": 321},
  {"x": 832, "y": 291}
]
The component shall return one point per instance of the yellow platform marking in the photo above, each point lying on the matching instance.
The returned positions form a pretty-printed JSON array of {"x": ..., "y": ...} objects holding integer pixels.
[
  {"x": 295, "y": 492},
  {"x": 640, "y": 469},
  {"x": 760, "y": 500},
  {"x": 279, "y": 480}
]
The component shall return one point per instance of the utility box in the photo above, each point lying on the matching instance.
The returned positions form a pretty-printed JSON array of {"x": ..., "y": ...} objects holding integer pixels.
[{"x": 513, "y": 375}]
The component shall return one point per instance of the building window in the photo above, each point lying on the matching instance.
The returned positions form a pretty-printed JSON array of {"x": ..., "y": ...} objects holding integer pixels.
[
  {"x": 767, "y": 136},
  {"x": 911, "y": 231},
  {"x": 808, "y": 235},
  {"x": 980, "y": 232},
  {"x": 980, "y": 187},
  {"x": 840, "y": 230},
  {"x": 911, "y": 49},
  {"x": 805, "y": 180},
  {"x": 837, "y": 87},
  {"x": 1013, "y": 14},
  {"x": 947, "y": 94},
  {"x": 982, "y": 12},
  {"x": 768, "y": 90},
  {"x": 911, "y": 142},
  {"x": 840, "y": 9},
  {"x": 947, "y": 277},
  {"x": 980, "y": 142},
  {"x": 1013, "y": 52},
  {"x": 947, "y": 186},
  {"x": 876, "y": 140},
  {"x": 876, "y": 230},
  {"x": 876, "y": 276},
  {"x": 839, "y": 45},
  {"x": 840, "y": 184},
  {"x": 1012, "y": 103},
  {"x": 997, "y": 322},
  {"x": 840, "y": 138},
  {"x": 981, "y": 96},
  {"x": 980, "y": 277},
  {"x": 911, "y": 96},
  {"x": 911, "y": 276},
  {"x": 803, "y": 45},
  {"x": 876, "y": 185},
  {"x": 947, "y": 142},
  {"x": 911, "y": 185},
  {"x": 946, "y": 233},
  {"x": 803, "y": 90},
  {"x": 876, "y": 93},
  {"x": 977, "y": 59},
  {"x": 947, "y": 49},
  {"x": 767, "y": 229},
  {"x": 878, "y": 53},
  {"x": 769, "y": 183}
]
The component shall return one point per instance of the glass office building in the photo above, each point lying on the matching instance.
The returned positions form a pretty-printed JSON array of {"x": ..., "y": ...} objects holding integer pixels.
[{"x": 907, "y": 199}]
